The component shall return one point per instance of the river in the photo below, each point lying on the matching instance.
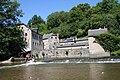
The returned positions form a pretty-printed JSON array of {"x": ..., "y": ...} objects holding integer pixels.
[{"x": 61, "y": 71}]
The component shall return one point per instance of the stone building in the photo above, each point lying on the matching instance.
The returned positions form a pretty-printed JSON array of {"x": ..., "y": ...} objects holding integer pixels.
[
  {"x": 32, "y": 38},
  {"x": 73, "y": 43},
  {"x": 50, "y": 41},
  {"x": 96, "y": 50},
  {"x": 73, "y": 47},
  {"x": 70, "y": 47}
]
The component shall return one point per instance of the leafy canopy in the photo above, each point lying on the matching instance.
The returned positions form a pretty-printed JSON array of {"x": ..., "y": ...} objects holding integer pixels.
[
  {"x": 10, "y": 36},
  {"x": 38, "y": 22}
]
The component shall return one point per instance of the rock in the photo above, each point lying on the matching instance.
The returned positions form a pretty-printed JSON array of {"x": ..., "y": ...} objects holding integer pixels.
[
  {"x": 7, "y": 61},
  {"x": 11, "y": 60}
]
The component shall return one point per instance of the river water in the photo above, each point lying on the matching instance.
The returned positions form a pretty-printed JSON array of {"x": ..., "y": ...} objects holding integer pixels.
[{"x": 61, "y": 71}]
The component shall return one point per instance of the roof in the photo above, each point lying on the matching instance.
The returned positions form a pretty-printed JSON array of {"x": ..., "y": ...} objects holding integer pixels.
[
  {"x": 46, "y": 36},
  {"x": 96, "y": 32},
  {"x": 32, "y": 29},
  {"x": 35, "y": 29},
  {"x": 73, "y": 39},
  {"x": 73, "y": 45}
]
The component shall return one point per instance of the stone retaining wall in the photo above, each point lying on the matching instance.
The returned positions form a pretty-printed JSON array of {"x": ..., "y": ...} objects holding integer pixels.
[
  {"x": 70, "y": 54},
  {"x": 64, "y": 53}
]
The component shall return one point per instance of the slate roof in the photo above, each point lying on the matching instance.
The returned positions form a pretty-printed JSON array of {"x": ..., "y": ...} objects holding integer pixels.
[
  {"x": 96, "y": 32},
  {"x": 46, "y": 36},
  {"x": 72, "y": 40},
  {"x": 35, "y": 29},
  {"x": 73, "y": 45}
]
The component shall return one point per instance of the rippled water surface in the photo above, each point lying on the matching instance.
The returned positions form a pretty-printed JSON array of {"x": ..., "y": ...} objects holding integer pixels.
[{"x": 61, "y": 71}]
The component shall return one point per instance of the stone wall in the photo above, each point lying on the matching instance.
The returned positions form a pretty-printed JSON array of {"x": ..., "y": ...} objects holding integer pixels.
[
  {"x": 76, "y": 53},
  {"x": 64, "y": 53}
]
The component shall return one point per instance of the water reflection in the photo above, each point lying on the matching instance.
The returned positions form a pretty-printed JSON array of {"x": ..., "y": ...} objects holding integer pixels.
[
  {"x": 96, "y": 71},
  {"x": 69, "y": 71}
]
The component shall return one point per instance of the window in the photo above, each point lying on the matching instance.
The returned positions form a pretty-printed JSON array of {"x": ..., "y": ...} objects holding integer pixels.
[
  {"x": 57, "y": 53},
  {"x": 25, "y": 34},
  {"x": 55, "y": 37},
  {"x": 51, "y": 37},
  {"x": 22, "y": 27},
  {"x": 61, "y": 45}
]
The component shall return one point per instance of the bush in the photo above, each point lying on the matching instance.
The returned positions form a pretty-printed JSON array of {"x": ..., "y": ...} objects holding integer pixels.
[
  {"x": 116, "y": 53},
  {"x": 109, "y": 41}
]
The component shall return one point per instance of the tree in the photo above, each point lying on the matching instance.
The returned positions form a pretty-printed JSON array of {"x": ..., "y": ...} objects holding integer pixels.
[
  {"x": 79, "y": 12},
  {"x": 42, "y": 28},
  {"x": 84, "y": 7},
  {"x": 35, "y": 21},
  {"x": 9, "y": 12},
  {"x": 83, "y": 17},
  {"x": 107, "y": 5},
  {"x": 109, "y": 42},
  {"x": 116, "y": 12},
  {"x": 76, "y": 15},
  {"x": 10, "y": 36},
  {"x": 38, "y": 22},
  {"x": 56, "y": 18},
  {"x": 62, "y": 30},
  {"x": 80, "y": 32}
]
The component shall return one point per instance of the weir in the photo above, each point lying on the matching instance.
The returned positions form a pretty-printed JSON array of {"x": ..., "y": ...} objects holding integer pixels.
[{"x": 64, "y": 61}]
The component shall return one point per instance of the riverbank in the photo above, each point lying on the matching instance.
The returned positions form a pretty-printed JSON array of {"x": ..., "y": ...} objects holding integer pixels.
[{"x": 13, "y": 61}]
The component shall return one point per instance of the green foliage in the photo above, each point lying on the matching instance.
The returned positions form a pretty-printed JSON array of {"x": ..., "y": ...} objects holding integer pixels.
[
  {"x": 9, "y": 12},
  {"x": 10, "y": 36},
  {"x": 38, "y": 22},
  {"x": 107, "y": 5},
  {"x": 79, "y": 13},
  {"x": 55, "y": 19},
  {"x": 76, "y": 15},
  {"x": 83, "y": 17},
  {"x": 35, "y": 20},
  {"x": 42, "y": 28},
  {"x": 109, "y": 42},
  {"x": 10, "y": 42},
  {"x": 116, "y": 53},
  {"x": 84, "y": 7},
  {"x": 80, "y": 32},
  {"x": 62, "y": 30}
]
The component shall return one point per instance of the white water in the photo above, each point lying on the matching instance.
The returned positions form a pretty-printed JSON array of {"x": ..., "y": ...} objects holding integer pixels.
[
  {"x": 25, "y": 64},
  {"x": 63, "y": 62}
]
